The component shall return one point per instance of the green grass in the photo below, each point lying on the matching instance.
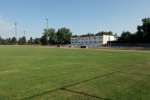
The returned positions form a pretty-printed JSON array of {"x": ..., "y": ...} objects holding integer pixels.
[{"x": 43, "y": 73}]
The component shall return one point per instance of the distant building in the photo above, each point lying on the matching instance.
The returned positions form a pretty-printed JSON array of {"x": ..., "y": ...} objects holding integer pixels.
[{"x": 92, "y": 40}]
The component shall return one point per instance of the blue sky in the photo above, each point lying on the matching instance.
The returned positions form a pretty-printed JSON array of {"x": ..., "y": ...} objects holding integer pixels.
[{"x": 81, "y": 16}]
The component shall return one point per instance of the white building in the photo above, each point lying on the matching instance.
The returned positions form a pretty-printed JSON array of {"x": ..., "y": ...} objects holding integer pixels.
[{"x": 92, "y": 40}]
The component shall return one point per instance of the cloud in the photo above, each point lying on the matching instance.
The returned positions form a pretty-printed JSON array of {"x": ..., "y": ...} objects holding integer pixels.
[{"x": 5, "y": 26}]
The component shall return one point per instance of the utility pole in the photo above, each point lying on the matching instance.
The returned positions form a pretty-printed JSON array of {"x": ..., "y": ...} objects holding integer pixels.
[{"x": 15, "y": 30}]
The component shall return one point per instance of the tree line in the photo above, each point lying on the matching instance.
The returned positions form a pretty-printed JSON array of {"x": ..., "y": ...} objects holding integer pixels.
[
  {"x": 141, "y": 36},
  {"x": 49, "y": 37},
  {"x": 63, "y": 36},
  {"x": 21, "y": 41},
  {"x": 96, "y": 34}
]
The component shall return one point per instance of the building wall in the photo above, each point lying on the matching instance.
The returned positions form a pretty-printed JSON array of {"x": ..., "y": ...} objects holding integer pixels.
[
  {"x": 107, "y": 38},
  {"x": 92, "y": 40}
]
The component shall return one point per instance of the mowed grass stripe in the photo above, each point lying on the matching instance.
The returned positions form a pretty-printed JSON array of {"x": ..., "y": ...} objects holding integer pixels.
[
  {"x": 119, "y": 86},
  {"x": 70, "y": 85},
  {"x": 28, "y": 71}
]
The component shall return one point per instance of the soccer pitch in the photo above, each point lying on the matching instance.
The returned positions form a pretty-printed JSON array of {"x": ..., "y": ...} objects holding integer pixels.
[{"x": 44, "y": 73}]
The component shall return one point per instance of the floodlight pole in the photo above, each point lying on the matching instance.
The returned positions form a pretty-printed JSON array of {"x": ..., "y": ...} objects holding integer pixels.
[
  {"x": 47, "y": 29},
  {"x": 24, "y": 33},
  {"x": 47, "y": 24},
  {"x": 15, "y": 30},
  {"x": 109, "y": 42}
]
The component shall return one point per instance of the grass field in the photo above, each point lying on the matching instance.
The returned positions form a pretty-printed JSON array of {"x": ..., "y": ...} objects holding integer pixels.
[{"x": 42, "y": 73}]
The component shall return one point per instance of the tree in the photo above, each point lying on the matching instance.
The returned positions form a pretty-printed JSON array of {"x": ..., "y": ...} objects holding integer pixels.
[
  {"x": 31, "y": 41},
  {"x": 45, "y": 36},
  {"x": 88, "y": 34},
  {"x": 0, "y": 40},
  {"x": 146, "y": 29},
  {"x": 75, "y": 36},
  {"x": 143, "y": 33},
  {"x": 139, "y": 37},
  {"x": 6, "y": 41},
  {"x": 126, "y": 36},
  {"x": 64, "y": 35},
  {"x": 22, "y": 41},
  {"x": 37, "y": 41},
  {"x": 9, "y": 41},
  {"x": 3, "y": 41},
  {"x": 13, "y": 40},
  {"x": 52, "y": 36},
  {"x": 104, "y": 33},
  {"x": 44, "y": 40},
  {"x": 49, "y": 36}
]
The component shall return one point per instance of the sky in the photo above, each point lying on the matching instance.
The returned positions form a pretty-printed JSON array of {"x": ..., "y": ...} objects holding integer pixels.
[{"x": 80, "y": 16}]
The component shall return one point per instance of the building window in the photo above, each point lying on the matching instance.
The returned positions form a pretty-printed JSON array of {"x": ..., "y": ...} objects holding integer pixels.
[
  {"x": 94, "y": 37},
  {"x": 100, "y": 37}
]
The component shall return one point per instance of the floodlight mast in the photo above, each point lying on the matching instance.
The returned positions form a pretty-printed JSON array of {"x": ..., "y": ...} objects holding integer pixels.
[
  {"x": 47, "y": 29},
  {"x": 24, "y": 33},
  {"x": 47, "y": 23},
  {"x": 109, "y": 42},
  {"x": 15, "y": 30}
]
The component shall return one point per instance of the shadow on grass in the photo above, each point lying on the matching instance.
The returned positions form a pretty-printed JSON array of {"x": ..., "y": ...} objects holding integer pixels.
[
  {"x": 46, "y": 92},
  {"x": 135, "y": 73},
  {"x": 85, "y": 94},
  {"x": 64, "y": 88}
]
